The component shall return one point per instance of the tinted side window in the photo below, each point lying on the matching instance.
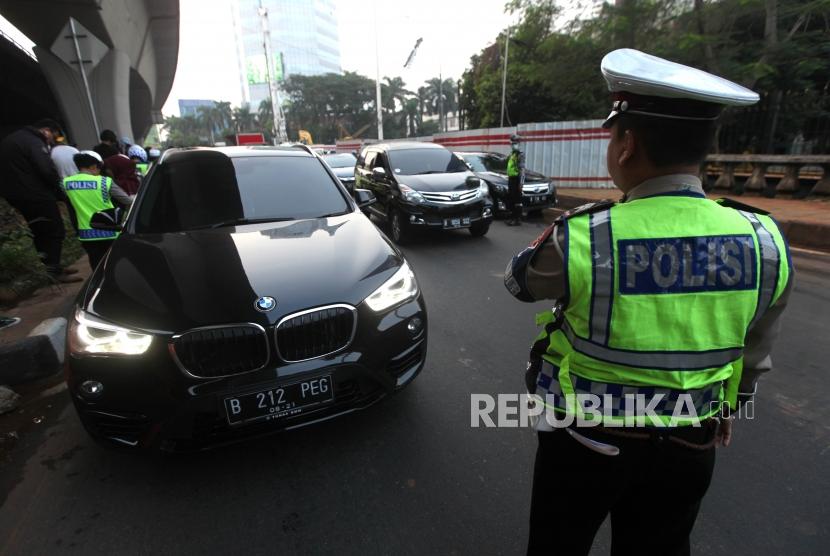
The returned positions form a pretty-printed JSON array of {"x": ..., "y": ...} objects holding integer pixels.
[{"x": 380, "y": 161}]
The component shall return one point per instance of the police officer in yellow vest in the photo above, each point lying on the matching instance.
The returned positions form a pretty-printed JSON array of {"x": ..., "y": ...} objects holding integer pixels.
[
  {"x": 666, "y": 308},
  {"x": 515, "y": 180},
  {"x": 90, "y": 192}
]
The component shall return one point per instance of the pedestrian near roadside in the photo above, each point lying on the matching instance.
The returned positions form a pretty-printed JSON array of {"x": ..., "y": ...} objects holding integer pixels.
[
  {"x": 515, "y": 179},
  {"x": 31, "y": 185},
  {"x": 122, "y": 169},
  {"x": 90, "y": 192},
  {"x": 62, "y": 157},
  {"x": 667, "y": 297}
]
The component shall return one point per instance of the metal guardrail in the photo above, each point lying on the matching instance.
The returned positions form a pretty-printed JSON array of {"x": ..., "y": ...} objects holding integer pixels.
[{"x": 799, "y": 175}]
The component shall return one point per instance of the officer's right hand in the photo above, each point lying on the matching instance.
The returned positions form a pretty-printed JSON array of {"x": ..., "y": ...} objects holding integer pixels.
[{"x": 723, "y": 436}]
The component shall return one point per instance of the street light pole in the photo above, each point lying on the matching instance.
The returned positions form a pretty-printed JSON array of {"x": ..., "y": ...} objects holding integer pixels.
[
  {"x": 377, "y": 77},
  {"x": 276, "y": 107},
  {"x": 504, "y": 75}
]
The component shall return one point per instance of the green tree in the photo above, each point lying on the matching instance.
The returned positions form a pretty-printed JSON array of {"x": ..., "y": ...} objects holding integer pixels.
[
  {"x": 243, "y": 119},
  {"x": 776, "y": 47}
]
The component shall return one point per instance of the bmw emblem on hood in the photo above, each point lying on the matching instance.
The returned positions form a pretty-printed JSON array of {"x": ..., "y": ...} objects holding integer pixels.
[{"x": 265, "y": 304}]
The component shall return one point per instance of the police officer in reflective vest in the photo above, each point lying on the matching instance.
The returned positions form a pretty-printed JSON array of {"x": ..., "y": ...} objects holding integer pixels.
[
  {"x": 90, "y": 192},
  {"x": 515, "y": 179},
  {"x": 666, "y": 308}
]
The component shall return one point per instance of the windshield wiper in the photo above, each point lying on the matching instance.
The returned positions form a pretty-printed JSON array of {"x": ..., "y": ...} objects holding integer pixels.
[
  {"x": 239, "y": 222},
  {"x": 431, "y": 172},
  {"x": 333, "y": 214}
]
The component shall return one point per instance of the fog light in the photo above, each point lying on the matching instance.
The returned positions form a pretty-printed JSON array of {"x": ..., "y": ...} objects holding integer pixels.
[
  {"x": 415, "y": 326},
  {"x": 502, "y": 206},
  {"x": 92, "y": 388},
  {"x": 486, "y": 213}
]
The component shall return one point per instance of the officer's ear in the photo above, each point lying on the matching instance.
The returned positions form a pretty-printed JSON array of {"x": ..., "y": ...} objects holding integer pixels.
[{"x": 627, "y": 148}]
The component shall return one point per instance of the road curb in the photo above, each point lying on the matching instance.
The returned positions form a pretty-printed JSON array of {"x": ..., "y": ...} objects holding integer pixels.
[
  {"x": 798, "y": 234},
  {"x": 38, "y": 355}
]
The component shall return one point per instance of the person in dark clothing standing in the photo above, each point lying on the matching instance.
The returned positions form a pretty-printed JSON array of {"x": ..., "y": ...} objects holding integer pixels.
[
  {"x": 108, "y": 146},
  {"x": 31, "y": 184},
  {"x": 122, "y": 169},
  {"x": 515, "y": 180}
]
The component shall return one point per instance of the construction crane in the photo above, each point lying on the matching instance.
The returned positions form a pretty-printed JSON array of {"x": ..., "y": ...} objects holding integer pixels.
[{"x": 345, "y": 132}]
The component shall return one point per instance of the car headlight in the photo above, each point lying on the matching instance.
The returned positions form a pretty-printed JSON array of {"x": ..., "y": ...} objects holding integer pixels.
[
  {"x": 500, "y": 188},
  {"x": 483, "y": 189},
  {"x": 410, "y": 194},
  {"x": 91, "y": 336},
  {"x": 399, "y": 288},
  {"x": 550, "y": 188}
]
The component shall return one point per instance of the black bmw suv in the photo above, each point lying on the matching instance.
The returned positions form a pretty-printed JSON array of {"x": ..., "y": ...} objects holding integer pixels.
[
  {"x": 247, "y": 293},
  {"x": 423, "y": 185}
]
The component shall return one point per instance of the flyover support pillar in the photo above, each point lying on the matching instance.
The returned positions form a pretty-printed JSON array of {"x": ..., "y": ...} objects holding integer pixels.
[{"x": 109, "y": 84}]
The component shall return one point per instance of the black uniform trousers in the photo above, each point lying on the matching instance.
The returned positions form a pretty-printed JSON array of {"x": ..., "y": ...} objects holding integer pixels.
[
  {"x": 46, "y": 224},
  {"x": 514, "y": 190},
  {"x": 652, "y": 490}
]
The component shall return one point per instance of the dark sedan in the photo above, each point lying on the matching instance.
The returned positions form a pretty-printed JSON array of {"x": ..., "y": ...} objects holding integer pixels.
[
  {"x": 342, "y": 164},
  {"x": 247, "y": 293},
  {"x": 538, "y": 191}
]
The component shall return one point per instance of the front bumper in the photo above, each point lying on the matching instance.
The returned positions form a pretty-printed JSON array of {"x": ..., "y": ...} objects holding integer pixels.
[
  {"x": 149, "y": 402},
  {"x": 434, "y": 215},
  {"x": 530, "y": 201}
]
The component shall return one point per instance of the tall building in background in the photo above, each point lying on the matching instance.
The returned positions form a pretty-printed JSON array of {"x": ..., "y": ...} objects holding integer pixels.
[
  {"x": 190, "y": 106},
  {"x": 304, "y": 38}
]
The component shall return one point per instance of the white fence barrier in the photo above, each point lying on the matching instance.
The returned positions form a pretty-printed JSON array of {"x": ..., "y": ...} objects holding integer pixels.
[
  {"x": 572, "y": 153},
  {"x": 496, "y": 139}
]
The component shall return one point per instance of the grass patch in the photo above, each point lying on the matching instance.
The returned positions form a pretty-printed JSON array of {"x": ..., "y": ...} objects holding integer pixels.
[{"x": 21, "y": 270}]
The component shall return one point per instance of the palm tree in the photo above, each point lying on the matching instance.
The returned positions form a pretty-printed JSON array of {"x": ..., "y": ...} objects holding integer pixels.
[
  {"x": 411, "y": 113},
  {"x": 224, "y": 114},
  {"x": 243, "y": 118},
  {"x": 265, "y": 116},
  {"x": 395, "y": 91},
  {"x": 423, "y": 97},
  {"x": 438, "y": 91},
  {"x": 207, "y": 118}
]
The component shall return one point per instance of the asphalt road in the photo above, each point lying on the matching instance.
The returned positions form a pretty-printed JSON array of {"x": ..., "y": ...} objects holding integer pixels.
[{"x": 409, "y": 475}]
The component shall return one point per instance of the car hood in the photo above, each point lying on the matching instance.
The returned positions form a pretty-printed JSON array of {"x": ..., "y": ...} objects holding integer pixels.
[
  {"x": 455, "y": 181},
  {"x": 501, "y": 177},
  {"x": 175, "y": 281},
  {"x": 344, "y": 172}
]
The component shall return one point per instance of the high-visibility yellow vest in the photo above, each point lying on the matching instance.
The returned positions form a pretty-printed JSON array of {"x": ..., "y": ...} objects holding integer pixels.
[
  {"x": 513, "y": 168},
  {"x": 662, "y": 292},
  {"x": 89, "y": 194}
]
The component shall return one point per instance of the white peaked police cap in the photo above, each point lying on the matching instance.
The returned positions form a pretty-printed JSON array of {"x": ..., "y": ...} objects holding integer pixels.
[
  {"x": 94, "y": 155},
  {"x": 646, "y": 85}
]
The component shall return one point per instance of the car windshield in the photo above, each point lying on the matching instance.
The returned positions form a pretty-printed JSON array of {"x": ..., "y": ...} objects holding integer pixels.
[
  {"x": 207, "y": 189},
  {"x": 486, "y": 162},
  {"x": 424, "y": 161},
  {"x": 344, "y": 160}
]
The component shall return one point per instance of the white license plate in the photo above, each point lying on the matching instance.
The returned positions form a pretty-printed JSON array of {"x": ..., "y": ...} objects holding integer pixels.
[
  {"x": 450, "y": 223},
  {"x": 280, "y": 401}
]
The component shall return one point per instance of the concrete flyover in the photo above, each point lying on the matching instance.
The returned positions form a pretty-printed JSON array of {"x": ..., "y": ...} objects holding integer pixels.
[{"x": 129, "y": 50}]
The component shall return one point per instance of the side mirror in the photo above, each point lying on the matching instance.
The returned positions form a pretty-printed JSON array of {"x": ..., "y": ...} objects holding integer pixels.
[
  {"x": 364, "y": 197},
  {"x": 472, "y": 181},
  {"x": 106, "y": 220},
  {"x": 378, "y": 173}
]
